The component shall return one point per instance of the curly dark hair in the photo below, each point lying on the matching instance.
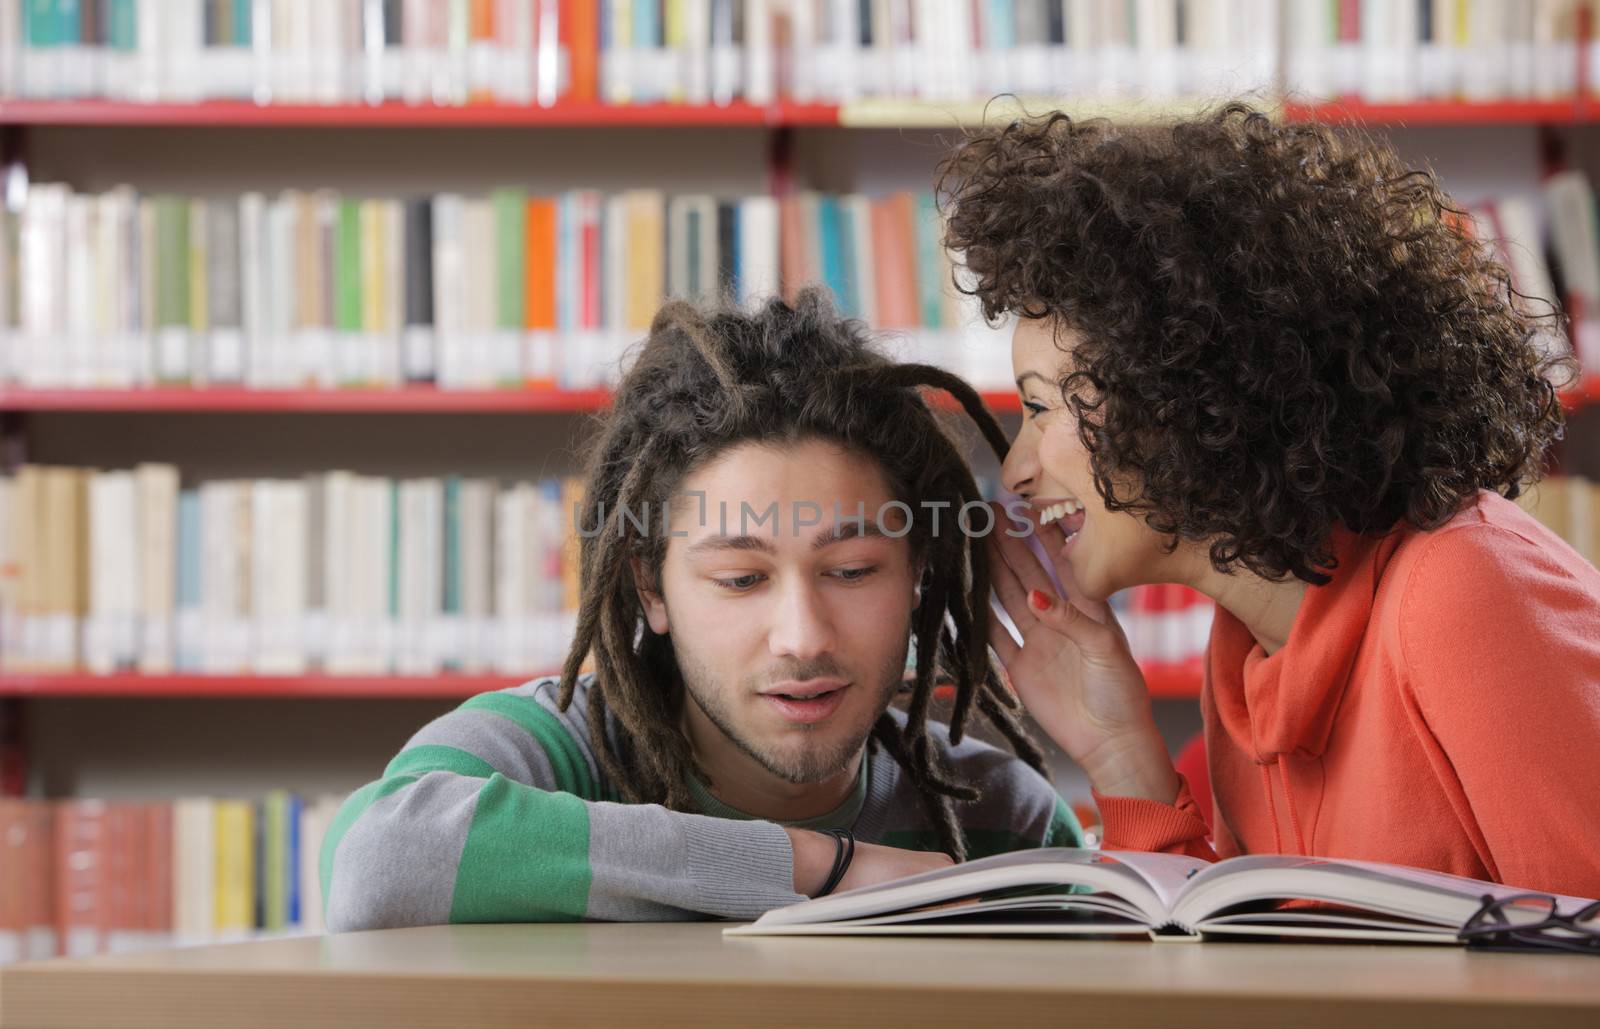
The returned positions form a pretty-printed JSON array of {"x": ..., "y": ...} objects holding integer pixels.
[
  {"x": 703, "y": 383},
  {"x": 1280, "y": 328}
]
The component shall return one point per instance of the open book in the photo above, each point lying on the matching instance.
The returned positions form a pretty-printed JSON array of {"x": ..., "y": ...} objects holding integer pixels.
[{"x": 1069, "y": 892}]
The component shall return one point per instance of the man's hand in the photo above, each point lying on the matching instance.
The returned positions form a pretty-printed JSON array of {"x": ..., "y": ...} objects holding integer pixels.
[{"x": 873, "y": 864}]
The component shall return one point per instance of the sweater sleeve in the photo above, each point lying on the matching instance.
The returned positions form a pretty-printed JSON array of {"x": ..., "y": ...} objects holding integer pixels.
[
  {"x": 1500, "y": 636},
  {"x": 1136, "y": 823},
  {"x": 494, "y": 813}
]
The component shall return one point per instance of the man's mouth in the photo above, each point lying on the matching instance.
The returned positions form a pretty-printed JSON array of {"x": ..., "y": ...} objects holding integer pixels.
[{"x": 807, "y": 702}]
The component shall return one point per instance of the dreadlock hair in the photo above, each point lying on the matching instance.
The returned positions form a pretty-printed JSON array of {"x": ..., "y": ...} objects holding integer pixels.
[{"x": 702, "y": 383}]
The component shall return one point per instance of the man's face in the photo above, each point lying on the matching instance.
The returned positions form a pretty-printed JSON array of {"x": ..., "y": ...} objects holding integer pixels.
[{"x": 789, "y": 622}]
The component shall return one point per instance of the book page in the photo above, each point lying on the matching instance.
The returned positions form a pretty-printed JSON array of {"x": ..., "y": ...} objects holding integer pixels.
[
  {"x": 1105, "y": 871},
  {"x": 1476, "y": 888},
  {"x": 1412, "y": 893},
  {"x": 1167, "y": 874}
]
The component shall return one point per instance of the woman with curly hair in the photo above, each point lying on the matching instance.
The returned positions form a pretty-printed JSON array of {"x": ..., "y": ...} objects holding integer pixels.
[{"x": 1265, "y": 361}]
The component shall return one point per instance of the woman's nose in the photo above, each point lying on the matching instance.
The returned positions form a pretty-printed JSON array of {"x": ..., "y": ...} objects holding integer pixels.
[{"x": 1020, "y": 470}]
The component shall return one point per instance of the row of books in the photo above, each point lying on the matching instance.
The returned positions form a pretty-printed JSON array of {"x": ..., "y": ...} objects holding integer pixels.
[
  {"x": 126, "y": 571},
  {"x": 90, "y": 876},
  {"x": 1569, "y": 506},
  {"x": 1166, "y": 623},
  {"x": 312, "y": 289},
  {"x": 289, "y": 51},
  {"x": 629, "y": 51},
  {"x": 1400, "y": 50},
  {"x": 1549, "y": 244},
  {"x": 453, "y": 52},
  {"x": 350, "y": 574}
]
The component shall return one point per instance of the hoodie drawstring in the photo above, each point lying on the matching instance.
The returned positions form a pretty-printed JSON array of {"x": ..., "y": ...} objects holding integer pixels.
[
  {"x": 1294, "y": 819},
  {"x": 1272, "y": 810}
]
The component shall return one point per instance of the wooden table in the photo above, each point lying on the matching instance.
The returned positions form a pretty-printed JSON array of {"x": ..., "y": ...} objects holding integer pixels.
[{"x": 487, "y": 976}]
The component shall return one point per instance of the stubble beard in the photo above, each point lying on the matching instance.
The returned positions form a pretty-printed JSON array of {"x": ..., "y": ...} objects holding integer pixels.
[{"x": 810, "y": 762}]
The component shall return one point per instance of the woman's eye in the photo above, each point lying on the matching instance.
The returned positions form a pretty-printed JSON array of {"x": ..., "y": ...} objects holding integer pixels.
[
  {"x": 1034, "y": 409},
  {"x": 739, "y": 584},
  {"x": 855, "y": 574}
]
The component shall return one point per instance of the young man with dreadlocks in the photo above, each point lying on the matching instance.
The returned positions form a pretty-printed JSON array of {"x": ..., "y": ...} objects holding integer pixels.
[{"x": 761, "y": 544}]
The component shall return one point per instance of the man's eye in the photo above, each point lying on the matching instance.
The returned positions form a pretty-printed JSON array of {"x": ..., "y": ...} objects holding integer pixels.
[
  {"x": 855, "y": 574},
  {"x": 739, "y": 584}
]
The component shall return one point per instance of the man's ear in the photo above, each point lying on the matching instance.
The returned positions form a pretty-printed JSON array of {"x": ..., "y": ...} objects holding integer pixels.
[{"x": 655, "y": 609}]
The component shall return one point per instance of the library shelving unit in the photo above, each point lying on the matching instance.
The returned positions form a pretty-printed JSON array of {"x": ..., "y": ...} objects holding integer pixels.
[{"x": 776, "y": 131}]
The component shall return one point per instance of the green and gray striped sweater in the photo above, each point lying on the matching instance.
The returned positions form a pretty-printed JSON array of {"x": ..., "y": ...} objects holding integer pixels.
[{"x": 499, "y": 812}]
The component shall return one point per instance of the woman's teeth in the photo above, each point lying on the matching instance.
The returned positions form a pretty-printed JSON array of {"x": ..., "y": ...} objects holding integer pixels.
[{"x": 1056, "y": 512}]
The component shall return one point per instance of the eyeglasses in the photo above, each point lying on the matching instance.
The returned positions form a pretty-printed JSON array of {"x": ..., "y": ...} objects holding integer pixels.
[{"x": 1526, "y": 920}]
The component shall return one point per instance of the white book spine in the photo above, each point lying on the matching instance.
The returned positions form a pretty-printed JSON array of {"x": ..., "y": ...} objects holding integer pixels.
[
  {"x": 252, "y": 214},
  {"x": 335, "y": 567},
  {"x": 759, "y": 85},
  {"x": 758, "y": 250},
  {"x": 110, "y": 265},
  {"x": 447, "y": 287},
  {"x": 510, "y": 547},
  {"x": 158, "y": 561},
  {"x": 10, "y": 48},
  {"x": 81, "y": 295}
]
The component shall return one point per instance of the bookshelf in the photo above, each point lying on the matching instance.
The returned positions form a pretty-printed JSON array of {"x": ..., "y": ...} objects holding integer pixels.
[
  {"x": 131, "y": 736},
  {"x": 849, "y": 141}
]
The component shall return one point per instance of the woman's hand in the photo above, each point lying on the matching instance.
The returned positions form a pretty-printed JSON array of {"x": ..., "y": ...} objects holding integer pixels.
[{"x": 1074, "y": 671}]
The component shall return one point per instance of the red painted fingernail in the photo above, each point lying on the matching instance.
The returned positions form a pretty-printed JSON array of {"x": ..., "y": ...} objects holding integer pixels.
[{"x": 1039, "y": 599}]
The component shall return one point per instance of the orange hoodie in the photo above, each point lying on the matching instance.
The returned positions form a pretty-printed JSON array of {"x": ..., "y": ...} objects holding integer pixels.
[{"x": 1437, "y": 704}]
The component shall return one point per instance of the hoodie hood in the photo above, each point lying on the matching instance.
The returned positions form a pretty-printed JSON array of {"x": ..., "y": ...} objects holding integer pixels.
[{"x": 1285, "y": 703}]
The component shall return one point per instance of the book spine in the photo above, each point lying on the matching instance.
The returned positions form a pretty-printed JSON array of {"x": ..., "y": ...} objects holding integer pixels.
[
  {"x": 418, "y": 341},
  {"x": 511, "y": 233}
]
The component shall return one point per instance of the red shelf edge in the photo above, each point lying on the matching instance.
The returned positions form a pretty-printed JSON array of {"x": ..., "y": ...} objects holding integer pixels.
[
  {"x": 127, "y": 684},
  {"x": 1585, "y": 393},
  {"x": 567, "y": 113},
  {"x": 1567, "y": 110},
  {"x": 1166, "y": 680},
  {"x": 329, "y": 400},
  {"x": 350, "y": 400},
  {"x": 593, "y": 114},
  {"x": 1174, "y": 680},
  {"x": 422, "y": 400}
]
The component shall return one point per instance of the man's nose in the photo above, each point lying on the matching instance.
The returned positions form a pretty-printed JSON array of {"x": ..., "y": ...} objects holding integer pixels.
[{"x": 802, "y": 626}]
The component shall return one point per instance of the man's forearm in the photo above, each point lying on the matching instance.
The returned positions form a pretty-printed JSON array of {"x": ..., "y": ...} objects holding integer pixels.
[{"x": 448, "y": 847}]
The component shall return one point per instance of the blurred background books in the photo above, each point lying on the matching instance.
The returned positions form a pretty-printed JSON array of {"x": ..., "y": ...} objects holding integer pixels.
[{"x": 304, "y": 307}]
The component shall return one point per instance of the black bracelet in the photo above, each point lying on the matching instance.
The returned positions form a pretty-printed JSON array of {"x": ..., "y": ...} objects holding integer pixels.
[{"x": 845, "y": 841}]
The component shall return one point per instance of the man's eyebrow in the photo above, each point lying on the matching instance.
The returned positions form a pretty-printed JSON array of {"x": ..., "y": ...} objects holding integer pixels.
[
  {"x": 848, "y": 530},
  {"x": 724, "y": 542}
]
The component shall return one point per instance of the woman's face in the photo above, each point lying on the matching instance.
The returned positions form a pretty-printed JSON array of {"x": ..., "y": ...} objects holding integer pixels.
[{"x": 1049, "y": 468}]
